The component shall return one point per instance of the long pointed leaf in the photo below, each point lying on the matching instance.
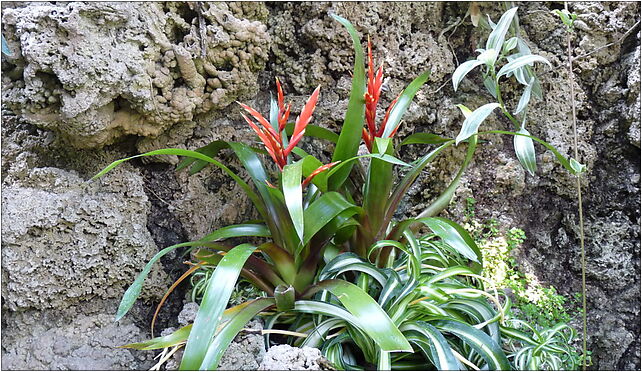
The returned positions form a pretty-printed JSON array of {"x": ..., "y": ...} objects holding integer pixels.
[
  {"x": 455, "y": 236},
  {"x": 216, "y": 297},
  {"x": 402, "y": 187},
  {"x": 483, "y": 344},
  {"x": 293, "y": 193},
  {"x": 521, "y": 62},
  {"x": 223, "y": 339},
  {"x": 322, "y": 211},
  {"x": 403, "y": 102},
  {"x": 132, "y": 293},
  {"x": 463, "y": 70},
  {"x": 193, "y": 154},
  {"x": 525, "y": 151},
  {"x": 472, "y": 122},
  {"x": 525, "y": 98},
  {"x": 498, "y": 35},
  {"x": 350, "y": 137},
  {"x": 369, "y": 316},
  {"x": 439, "y": 349}
]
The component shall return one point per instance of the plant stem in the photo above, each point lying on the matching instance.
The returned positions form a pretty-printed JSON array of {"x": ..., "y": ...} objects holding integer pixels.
[
  {"x": 579, "y": 195},
  {"x": 498, "y": 93}
]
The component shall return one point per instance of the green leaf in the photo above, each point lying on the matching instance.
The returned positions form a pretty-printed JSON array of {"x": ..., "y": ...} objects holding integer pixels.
[
  {"x": 438, "y": 349},
  {"x": 367, "y": 315},
  {"x": 211, "y": 150},
  {"x": 521, "y": 62},
  {"x": 5, "y": 47},
  {"x": 277, "y": 215},
  {"x": 498, "y": 35},
  {"x": 402, "y": 187},
  {"x": 350, "y": 262},
  {"x": 322, "y": 211},
  {"x": 472, "y": 122},
  {"x": 132, "y": 293},
  {"x": 576, "y": 169},
  {"x": 525, "y": 98},
  {"x": 403, "y": 102},
  {"x": 236, "y": 231},
  {"x": 216, "y": 297},
  {"x": 485, "y": 346},
  {"x": 525, "y": 151},
  {"x": 162, "y": 342},
  {"x": 464, "y": 110},
  {"x": 350, "y": 136},
  {"x": 491, "y": 86},
  {"x": 193, "y": 154},
  {"x": 293, "y": 193},
  {"x": 378, "y": 184},
  {"x": 423, "y": 139},
  {"x": 223, "y": 339},
  {"x": 463, "y": 70},
  {"x": 455, "y": 236},
  {"x": 509, "y": 45}
]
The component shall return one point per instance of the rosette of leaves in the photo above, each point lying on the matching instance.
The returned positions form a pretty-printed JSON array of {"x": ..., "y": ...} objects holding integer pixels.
[{"x": 311, "y": 212}]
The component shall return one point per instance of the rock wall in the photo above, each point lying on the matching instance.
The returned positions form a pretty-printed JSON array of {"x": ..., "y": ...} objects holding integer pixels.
[{"x": 89, "y": 83}]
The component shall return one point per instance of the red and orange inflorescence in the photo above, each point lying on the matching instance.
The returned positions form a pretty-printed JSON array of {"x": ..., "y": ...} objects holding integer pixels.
[
  {"x": 373, "y": 93},
  {"x": 273, "y": 139}
]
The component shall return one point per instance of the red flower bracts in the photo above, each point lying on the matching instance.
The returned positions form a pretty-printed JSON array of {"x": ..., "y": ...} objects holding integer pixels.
[
  {"x": 373, "y": 92},
  {"x": 273, "y": 140}
]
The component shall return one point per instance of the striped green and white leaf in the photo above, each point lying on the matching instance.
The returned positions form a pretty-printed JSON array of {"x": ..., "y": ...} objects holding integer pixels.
[
  {"x": 520, "y": 62},
  {"x": 474, "y": 120},
  {"x": 462, "y": 70},
  {"x": 525, "y": 151},
  {"x": 498, "y": 35}
]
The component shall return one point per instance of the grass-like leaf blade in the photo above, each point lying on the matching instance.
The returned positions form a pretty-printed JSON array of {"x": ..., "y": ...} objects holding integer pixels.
[
  {"x": 218, "y": 292},
  {"x": 350, "y": 137},
  {"x": 367, "y": 314},
  {"x": 438, "y": 348},
  {"x": 521, "y": 62},
  {"x": 482, "y": 343},
  {"x": 322, "y": 211},
  {"x": 225, "y": 336},
  {"x": 403, "y": 102},
  {"x": 455, "y": 236},
  {"x": 496, "y": 38},
  {"x": 193, "y": 154},
  {"x": 293, "y": 193}
]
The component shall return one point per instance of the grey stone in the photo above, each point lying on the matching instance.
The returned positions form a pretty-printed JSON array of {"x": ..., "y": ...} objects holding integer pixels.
[
  {"x": 95, "y": 71},
  {"x": 188, "y": 314},
  {"x": 289, "y": 358},
  {"x": 66, "y": 241}
]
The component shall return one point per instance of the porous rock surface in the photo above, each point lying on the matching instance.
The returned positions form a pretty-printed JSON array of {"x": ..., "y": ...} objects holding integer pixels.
[
  {"x": 95, "y": 71},
  {"x": 288, "y": 358},
  {"x": 87, "y": 75}
]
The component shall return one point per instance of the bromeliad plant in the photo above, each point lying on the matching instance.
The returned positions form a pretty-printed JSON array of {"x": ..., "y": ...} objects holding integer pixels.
[{"x": 324, "y": 226}]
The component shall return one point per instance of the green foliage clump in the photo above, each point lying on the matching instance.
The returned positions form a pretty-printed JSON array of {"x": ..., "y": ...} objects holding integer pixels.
[
  {"x": 337, "y": 271},
  {"x": 534, "y": 302}
]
